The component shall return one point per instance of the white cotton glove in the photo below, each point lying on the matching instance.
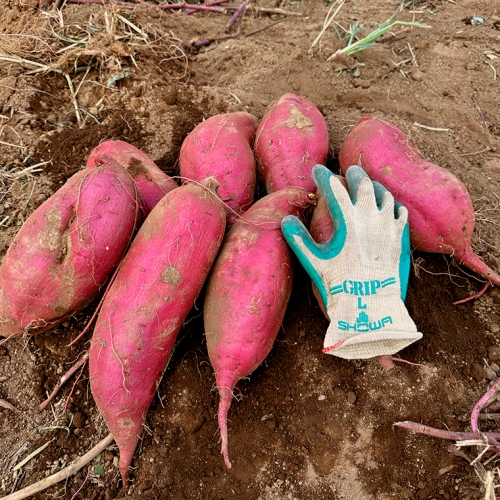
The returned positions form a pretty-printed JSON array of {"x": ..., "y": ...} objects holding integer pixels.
[{"x": 362, "y": 271}]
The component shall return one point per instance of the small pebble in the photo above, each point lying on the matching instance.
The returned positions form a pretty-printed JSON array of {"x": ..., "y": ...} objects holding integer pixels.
[
  {"x": 417, "y": 76},
  {"x": 351, "y": 397},
  {"x": 494, "y": 328},
  {"x": 364, "y": 84},
  {"x": 471, "y": 66},
  {"x": 421, "y": 485},
  {"x": 494, "y": 367},
  {"x": 322, "y": 397},
  {"x": 170, "y": 98},
  {"x": 78, "y": 421},
  {"x": 338, "y": 392},
  {"x": 477, "y": 372},
  {"x": 494, "y": 353},
  {"x": 271, "y": 425},
  {"x": 490, "y": 374}
]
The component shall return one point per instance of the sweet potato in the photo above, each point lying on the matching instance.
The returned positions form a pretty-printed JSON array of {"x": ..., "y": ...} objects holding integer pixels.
[
  {"x": 247, "y": 293},
  {"x": 152, "y": 183},
  {"x": 290, "y": 140},
  {"x": 155, "y": 288},
  {"x": 221, "y": 147},
  {"x": 440, "y": 211},
  {"x": 66, "y": 250}
]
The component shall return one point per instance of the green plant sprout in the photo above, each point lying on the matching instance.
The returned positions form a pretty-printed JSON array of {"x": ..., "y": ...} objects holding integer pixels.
[{"x": 369, "y": 40}]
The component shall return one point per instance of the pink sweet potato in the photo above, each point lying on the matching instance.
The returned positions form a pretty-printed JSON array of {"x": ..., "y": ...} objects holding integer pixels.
[
  {"x": 155, "y": 288},
  {"x": 221, "y": 147},
  {"x": 66, "y": 250},
  {"x": 152, "y": 183},
  {"x": 290, "y": 140},
  {"x": 440, "y": 211},
  {"x": 247, "y": 293}
]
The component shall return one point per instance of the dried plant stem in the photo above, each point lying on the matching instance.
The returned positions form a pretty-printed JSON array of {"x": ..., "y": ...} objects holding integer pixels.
[
  {"x": 73, "y": 98},
  {"x": 485, "y": 150},
  {"x": 441, "y": 433},
  {"x": 258, "y": 30},
  {"x": 208, "y": 4},
  {"x": 63, "y": 474},
  {"x": 133, "y": 5},
  {"x": 237, "y": 13},
  {"x": 10, "y": 145},
  {"x": 434, "y": 129},
  {"x": 328, "y": 21},
  {"x": 192, "y": 7},
  {"x": 20, "y": 60}
]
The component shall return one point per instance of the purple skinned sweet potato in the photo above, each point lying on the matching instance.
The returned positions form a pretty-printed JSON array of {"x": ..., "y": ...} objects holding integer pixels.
[
  {"x": 247, "y": 293},
  {"x": 66, "y": 250},
  {"x": 290, "y": 140},
  {"x": 155, "y": 288},
  {"x": 152, "y": 183},
  {"x": 221, "y": 147},
  {"x": 440, "y": 212}
]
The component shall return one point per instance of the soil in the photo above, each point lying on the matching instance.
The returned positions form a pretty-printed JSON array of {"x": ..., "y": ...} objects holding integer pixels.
[{"x": 309, "y": 425}]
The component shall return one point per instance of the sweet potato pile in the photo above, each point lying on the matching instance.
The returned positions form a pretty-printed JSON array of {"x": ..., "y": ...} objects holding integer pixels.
[{"x": 164, "y": 240}]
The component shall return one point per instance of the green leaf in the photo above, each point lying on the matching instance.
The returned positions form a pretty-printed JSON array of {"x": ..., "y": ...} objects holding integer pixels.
[{"x": 99, "y": 469}]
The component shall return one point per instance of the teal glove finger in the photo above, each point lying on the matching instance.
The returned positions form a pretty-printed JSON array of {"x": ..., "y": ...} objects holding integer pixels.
[
  {"x": 360, "y": 186},
  {"x": 305, "y": 248},
  {"x": 332, "y": 190},
  {"x": 301, "y": 242},
  {"x": 294, "y": 232},
  {"x": 405, "y": 258},
  {"x": 354, "y": 176}
]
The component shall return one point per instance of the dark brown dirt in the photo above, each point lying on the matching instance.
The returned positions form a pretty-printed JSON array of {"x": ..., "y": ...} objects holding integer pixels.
[{"x": 309, "y": 425}]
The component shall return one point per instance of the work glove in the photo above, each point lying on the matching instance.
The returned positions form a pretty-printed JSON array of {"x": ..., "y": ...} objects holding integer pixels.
[{"x": 362, "y": 271}]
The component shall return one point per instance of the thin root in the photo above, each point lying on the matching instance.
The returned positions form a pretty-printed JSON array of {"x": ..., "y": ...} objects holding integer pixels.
[{"x": 472, "y": 297}]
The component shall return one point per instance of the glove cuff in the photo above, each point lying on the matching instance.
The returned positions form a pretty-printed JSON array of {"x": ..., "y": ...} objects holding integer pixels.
[{"x": 372, "y": 344}]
